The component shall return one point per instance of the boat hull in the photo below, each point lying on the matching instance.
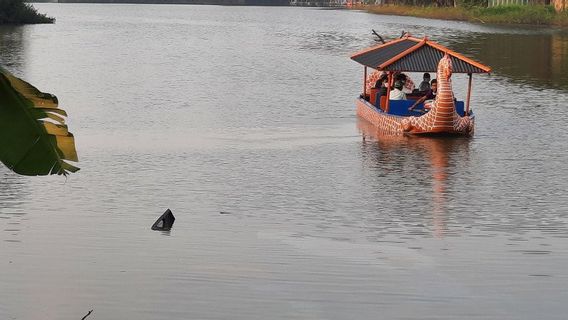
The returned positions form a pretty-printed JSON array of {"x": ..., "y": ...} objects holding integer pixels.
[{"x": 431, "y": 123}]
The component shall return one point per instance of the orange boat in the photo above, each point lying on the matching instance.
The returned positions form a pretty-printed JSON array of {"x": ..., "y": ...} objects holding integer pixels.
[{"x": 445, "y": 115}]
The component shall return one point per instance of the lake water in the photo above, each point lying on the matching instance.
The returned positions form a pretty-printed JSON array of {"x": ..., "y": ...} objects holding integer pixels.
[{"x": 249, "y": 111}]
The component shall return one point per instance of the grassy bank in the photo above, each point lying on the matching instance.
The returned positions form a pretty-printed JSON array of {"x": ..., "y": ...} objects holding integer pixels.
[
  {"x": 18, "y": 12},
  {"x": 513, "y": 14}
]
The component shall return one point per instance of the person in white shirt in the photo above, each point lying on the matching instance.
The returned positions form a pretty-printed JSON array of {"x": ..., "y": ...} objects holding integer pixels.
[
  {"x": 407, "y": 83},
  {"x": 396, "y": 93}
]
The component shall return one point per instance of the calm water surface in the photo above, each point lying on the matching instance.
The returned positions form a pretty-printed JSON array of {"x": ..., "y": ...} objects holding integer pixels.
[{"x": 250, "y": 111}]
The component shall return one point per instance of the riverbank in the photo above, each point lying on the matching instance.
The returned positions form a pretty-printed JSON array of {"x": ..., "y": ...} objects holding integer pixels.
[
  {"x": 513, "y": 14},
  {"x": 205, "y": 2},
  {"x": 18, "y": 12}
]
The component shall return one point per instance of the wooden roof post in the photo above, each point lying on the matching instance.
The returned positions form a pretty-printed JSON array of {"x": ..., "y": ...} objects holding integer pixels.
[
  {"x": 390, "y": 83},
  {"x": 468, "y": 95},
  {"x": 365, "y": 84}
]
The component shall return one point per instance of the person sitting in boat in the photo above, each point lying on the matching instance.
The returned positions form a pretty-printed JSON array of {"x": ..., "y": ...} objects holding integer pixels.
[
  {"x": 382, "y": 85},
  {"x": 407, "y": 83},
  {"x": 396, "y": 93},
  {"x": 425, "y": 84},
  {"x": 427, "y": 98},
  {"x": 381, "y": 81}
]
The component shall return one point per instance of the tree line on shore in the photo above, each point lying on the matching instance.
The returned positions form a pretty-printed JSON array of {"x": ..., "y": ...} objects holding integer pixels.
[
  {"x": 478, "y": 11},
  {"x": 19, "y": 12},
  {"x": 453, "y": 3}
]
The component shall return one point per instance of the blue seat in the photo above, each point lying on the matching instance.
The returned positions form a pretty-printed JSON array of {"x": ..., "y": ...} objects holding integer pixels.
[{"x": 400, "y": 108}]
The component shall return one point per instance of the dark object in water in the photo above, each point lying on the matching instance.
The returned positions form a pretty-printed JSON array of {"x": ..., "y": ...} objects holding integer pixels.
[
  {"x": 164, "y": 222},
  {"x": 378, "y": 35},
  {"x": 85, "y": 317}
]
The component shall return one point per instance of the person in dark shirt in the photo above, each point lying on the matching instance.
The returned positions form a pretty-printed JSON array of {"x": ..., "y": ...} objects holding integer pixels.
[
  {"x": 430, "y": 95},
  {"x": 425, "y": 84},
  {"x": 381, "y": 84}
]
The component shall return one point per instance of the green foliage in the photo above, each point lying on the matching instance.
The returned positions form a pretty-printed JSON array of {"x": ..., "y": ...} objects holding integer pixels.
[
  {"x": 521, "y": 14},
  {"x": 561, "y": 18},
  {"x": 473, "y": 3},
  {"x": 34, "y": 139},
  {"x": 18, "y": 12}
]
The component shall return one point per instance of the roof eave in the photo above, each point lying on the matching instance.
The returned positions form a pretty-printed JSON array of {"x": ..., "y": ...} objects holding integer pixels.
[
  {"x": 459, "y": 56},
  {"x": 419, "y": 44},
  {"x": 379, "y": 46},
  {"x": 403, "y": 54}
]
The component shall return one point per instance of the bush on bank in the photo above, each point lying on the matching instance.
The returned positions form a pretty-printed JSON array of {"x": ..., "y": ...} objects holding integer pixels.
[
  {"x": 516, "y": 14},
  {"x": 511, "y": 14},
  {"x": 18, "y": 12}
]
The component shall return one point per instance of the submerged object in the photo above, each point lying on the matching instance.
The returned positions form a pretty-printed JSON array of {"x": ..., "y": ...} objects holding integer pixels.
[
  {"x": 165, "y": 221},
  {"x": 413, "y": 114}
]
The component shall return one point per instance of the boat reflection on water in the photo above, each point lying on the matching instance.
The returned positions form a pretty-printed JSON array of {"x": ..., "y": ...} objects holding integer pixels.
[
  {"x": 12, "y": 48},
  {"x": 425, "y": 166}
]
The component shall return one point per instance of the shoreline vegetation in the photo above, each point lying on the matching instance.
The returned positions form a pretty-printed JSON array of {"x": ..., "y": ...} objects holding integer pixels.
[
  {"x": 510, "y": 14},
  {"x": 18, "y": 12}
]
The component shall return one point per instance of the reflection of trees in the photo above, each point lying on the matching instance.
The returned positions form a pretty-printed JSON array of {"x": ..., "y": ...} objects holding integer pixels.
[
  {"x": 12, "y": 48},
  {"x": 12, "y": 196},
  {"x": 540, "y": 59},
  {"x": 425, "y": 154},
  {"x": 559, "y": 61},
  {"x": 12, "y": 193}
]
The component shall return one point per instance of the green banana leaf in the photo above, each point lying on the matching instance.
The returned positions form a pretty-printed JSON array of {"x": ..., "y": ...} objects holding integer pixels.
[{"x": 33, "y": 136}]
